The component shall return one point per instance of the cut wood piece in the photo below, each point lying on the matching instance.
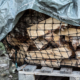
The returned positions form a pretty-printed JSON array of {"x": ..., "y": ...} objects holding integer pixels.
[
  {"x": 69, "y": 62},
  {"x": 70, "y": 32},
  {"x": 55, "y": 53},
  {"x": 72, "y": 35},
  {"x": 32, "y": 48},
  {"x": 78, "y": 62},
  {"x": 33, "y": 61},
  {"x": 68, "y": 46},
  {"x": 48, "y": 37},
  {"x": 50, "y": 63},
  {"x": 77, "y": 54},
  {"x": 13, "y": 41},
  {"x": 53, "y": 38},
  {"x": 40, "y": 43},
  {"x": 56, "y": 40},
  {"x": 20, "y": 57},
  {"x": 20, "y": 53},
  {"x": 23, "y": 47},
  {"x": 43, "y": 27},
  {"x": 67, "y": 39},
  {"x": 75, "y": 41}
]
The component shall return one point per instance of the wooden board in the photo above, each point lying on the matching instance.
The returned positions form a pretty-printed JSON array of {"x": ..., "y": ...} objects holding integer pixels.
[
  {"x": 55, "y": 53},
  {"x": 69, "y": 62},
  {"x": 75, "y": 75},
  {"x": 42, "y": 28}
]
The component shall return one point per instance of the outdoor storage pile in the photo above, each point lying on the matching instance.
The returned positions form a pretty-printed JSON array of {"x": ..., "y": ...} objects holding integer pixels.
[{"x": 45, "y": 41}]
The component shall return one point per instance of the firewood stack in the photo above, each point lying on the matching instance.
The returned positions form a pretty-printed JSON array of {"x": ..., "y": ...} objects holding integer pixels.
[{"x": 40, "y": 39}]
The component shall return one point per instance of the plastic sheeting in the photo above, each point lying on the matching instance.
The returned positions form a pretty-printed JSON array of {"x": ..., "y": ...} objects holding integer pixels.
[{"x": 11, "y": 10}]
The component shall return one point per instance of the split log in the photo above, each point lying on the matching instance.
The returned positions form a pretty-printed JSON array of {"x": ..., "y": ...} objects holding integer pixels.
[
  {"x": 13, "y": 41},
  {"x": 23, "y": 47},
  {"x": 77, "y": 54},
  {"x": 20, "y": 56},
  {"x": 42, "y": 28},
  {"x": 78, "y": 62},
  {"x": 50, "y": 63},
  {"x": 69, "y": 62},
  {"x": 67, "y": 39},
  {"x": 53, "y": 37},
  {"x": 70, "y": 32},
  {"x": 40, "y": 43},
  {"x": 55, "y": 53},
  {"x": 20, "y": 53},
  {"x": 48, "y": 37},
  {"x": 75, "y": 41},
  {"x": 73, "y": 35},
  {"x": 55, "y": 40}
]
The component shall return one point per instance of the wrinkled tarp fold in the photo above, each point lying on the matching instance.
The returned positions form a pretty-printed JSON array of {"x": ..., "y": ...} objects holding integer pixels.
[{"x": 11, "y": 10}]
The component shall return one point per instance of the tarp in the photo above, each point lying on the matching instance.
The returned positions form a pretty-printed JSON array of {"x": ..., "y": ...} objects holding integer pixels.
[{"x": 11, "y": 10}]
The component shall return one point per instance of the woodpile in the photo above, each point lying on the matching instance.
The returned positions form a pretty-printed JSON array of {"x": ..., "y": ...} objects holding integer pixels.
[{"x": 45, "y": 41}]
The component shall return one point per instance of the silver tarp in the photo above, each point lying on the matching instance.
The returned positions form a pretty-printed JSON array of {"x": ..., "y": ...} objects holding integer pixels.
[{"x": 11, "y": 10}]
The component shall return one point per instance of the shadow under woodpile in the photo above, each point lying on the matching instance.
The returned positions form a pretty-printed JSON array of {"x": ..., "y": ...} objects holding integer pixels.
[
  {"x": 42, "y": 40},
  {"x": 52, "y": 78}
]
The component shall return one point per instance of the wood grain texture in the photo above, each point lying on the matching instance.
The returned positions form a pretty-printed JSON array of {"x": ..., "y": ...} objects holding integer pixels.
[
  {"x": 43, "y": 27},
  {"x": 69, "y": 62},
  {"x": 55, "y": 53},
  {"x": 70, "y": 32},
  {"x": 77, "y": 54},
  {"x": 40, "y": 43},
  {"x": 50, "y": 63}
]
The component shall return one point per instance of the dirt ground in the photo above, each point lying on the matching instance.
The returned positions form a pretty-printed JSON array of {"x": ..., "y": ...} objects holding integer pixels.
[{"x": 7, "y": 77}]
